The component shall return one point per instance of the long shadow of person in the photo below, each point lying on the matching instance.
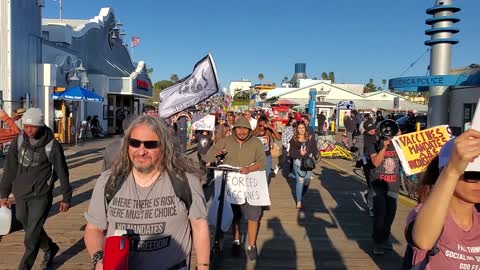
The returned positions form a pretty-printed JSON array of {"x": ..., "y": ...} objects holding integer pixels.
[
  {"x": 352, "y": 216},
  {"x": 317, "y": 219},
  {"x": 281, "y": 245}
]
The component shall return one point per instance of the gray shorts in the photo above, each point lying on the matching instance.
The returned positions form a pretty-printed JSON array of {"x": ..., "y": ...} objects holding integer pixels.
[{"x": 250, "y": 212}]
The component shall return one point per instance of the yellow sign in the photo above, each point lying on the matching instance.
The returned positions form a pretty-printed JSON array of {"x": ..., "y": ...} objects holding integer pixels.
[{"x": 417, "y": 149}]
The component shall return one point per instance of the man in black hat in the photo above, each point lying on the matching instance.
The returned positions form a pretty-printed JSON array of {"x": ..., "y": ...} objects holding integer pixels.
[{"x": 383, "y": 170}]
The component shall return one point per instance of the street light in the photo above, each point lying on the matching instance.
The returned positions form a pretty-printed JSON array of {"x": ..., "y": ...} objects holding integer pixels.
[{"x": 80, "y": 69}]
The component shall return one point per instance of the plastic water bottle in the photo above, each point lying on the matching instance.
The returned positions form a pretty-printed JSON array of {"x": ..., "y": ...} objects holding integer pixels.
[{"x": 5, "y": 220}]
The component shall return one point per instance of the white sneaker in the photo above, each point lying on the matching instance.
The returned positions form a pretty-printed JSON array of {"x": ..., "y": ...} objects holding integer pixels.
[{"x": 276, "y": 170}]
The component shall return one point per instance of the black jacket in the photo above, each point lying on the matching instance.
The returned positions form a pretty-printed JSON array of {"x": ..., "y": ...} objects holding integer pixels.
[
  {"x": 28, "y": 171},
  {"x": 295, "y": 146}
]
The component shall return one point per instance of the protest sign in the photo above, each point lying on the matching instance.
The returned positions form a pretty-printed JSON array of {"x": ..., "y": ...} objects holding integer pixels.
[
  {"x": 251, "y": 187},
  {"x": 206, "y": 123},
  {"x": 417, "y": 149}
]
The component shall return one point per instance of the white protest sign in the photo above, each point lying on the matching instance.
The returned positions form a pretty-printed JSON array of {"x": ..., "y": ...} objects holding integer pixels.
[
  {"x": 475, "y": 165},
  {"x": 206, "y": 123},
  {"x": 241, "y": 188}
]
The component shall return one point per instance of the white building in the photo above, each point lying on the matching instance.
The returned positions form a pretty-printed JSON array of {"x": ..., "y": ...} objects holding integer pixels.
[
  {"x": 328, "y": 95},
  {"x": 237, "y": 86},
  {"x": 38, "y": 57},
  {"x": 464, "y": 98}
]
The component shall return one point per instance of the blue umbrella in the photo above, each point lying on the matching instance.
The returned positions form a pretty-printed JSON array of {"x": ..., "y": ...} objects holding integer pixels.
[{"x": 77, "y": 93}]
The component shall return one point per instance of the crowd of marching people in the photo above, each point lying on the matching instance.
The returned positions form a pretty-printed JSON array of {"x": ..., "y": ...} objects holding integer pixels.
[{"x": 153, "y": 193}]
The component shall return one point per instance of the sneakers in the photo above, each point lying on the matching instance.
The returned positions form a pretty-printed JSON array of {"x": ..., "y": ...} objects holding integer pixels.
[
  {"x": 252, "y": 253},
  {"x": 275, "y": 171},
  {"x": 236, "y": 249},
  {"x": 49, "y": 255},
  {"x": 378, "y": 249}
]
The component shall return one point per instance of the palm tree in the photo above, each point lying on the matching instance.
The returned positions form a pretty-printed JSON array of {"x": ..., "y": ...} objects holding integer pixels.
[
  {"x": 331, "y": 76},
  {"x": 174, "y": 78},
  {"x": 384, "y": 82},
  {"x": 325, "y": 76},
  {"x": 260, "y": 77}
]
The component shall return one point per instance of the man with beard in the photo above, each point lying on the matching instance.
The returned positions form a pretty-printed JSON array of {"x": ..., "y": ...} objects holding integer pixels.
[
  {"x": 141, "y": 193},
  {"x": 34, "y": 161},
  {"x": 245, "y": 151}
]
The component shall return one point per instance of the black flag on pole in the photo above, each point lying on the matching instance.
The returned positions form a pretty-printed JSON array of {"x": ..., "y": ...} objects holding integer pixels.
[{"x": 191, "y": 90}]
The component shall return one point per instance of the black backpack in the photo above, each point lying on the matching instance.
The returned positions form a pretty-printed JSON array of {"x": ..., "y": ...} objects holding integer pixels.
[{"x": 180, "y": 186}]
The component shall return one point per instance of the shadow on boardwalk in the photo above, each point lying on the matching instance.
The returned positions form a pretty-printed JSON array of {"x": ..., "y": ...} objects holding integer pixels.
[
  {"x": 281, "y": 245},
  {"x": 352, "y": 216}
]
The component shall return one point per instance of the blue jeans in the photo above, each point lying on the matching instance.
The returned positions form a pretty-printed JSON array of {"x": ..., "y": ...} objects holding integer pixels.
[
  {"x": 268, "y": 168},
  {"x": 303, "y": 181}
]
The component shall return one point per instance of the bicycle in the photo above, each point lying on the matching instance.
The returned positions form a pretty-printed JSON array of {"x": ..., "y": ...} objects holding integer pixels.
[{"x": 409, "y": 185}]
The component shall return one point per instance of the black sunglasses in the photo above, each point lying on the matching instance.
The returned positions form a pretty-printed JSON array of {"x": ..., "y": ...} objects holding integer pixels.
[
  {"x": 471, "y": 177},
  {"x": 147, "y": 144}
]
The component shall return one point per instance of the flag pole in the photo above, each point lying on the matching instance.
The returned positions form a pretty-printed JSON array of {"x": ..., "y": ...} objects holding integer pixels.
[{"x": 133, "y": 60}]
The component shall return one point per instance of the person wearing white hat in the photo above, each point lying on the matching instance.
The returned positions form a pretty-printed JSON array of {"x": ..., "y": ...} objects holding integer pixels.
[{"x": 33, "y": 163}]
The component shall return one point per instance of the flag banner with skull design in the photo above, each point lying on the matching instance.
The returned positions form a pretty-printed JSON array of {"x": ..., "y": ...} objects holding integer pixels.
[{"x": 191, "y": 90}]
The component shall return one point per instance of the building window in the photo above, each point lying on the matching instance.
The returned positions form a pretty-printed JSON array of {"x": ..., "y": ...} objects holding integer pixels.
[
  {"x": 45, "y": 35},
  {"x": 468, "y": 111}
]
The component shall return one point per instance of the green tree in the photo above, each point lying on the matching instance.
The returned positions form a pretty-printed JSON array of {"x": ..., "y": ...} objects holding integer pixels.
[
  {"x": 260, "y": 77},
  {"x": 369, "y": 87},
  {"x": 174, "y": 78},
  {"x": 160, "y": 85},
  {"x": 384, "y": 83},
  {"x": 325, "y": 76},
  {"x": 285, "y": 79},
  {"x": 157, "y": 88},
  {"x": 331, "y": 76}
]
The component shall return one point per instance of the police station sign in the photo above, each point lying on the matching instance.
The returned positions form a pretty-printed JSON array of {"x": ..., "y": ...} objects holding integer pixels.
[{"x": 426, "y": 81}]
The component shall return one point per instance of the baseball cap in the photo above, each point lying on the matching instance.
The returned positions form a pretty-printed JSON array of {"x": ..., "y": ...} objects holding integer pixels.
[{"x": 368, "y": 125}]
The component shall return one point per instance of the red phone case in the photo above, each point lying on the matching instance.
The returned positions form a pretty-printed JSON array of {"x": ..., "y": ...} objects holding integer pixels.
[{"x": 116, "y": 252}]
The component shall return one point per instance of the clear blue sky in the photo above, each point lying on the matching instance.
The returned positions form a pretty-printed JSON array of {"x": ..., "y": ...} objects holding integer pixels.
[{"x": 357, "y": 40}]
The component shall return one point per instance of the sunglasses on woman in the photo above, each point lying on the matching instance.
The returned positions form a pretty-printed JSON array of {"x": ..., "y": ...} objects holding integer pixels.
[
  {"x": 471, "y": 177},
  {"x": 147, "y": 144}
]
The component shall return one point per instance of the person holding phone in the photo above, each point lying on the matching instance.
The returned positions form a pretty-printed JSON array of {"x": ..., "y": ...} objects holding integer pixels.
[{"x": 302, "y": 145}]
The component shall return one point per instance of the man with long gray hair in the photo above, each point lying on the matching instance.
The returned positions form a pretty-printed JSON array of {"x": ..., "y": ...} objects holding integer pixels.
[{"x": 154, "y": 191}]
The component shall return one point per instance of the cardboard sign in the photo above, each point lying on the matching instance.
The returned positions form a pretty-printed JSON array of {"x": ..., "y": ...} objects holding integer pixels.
[
  {"x": 241, "y": 188},
  {"x": 206, "y": 123},
  {"x": 417, "y": 149}
]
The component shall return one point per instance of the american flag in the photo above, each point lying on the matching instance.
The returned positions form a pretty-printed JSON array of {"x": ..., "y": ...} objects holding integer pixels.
[{"x": 135, "y": 41}]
